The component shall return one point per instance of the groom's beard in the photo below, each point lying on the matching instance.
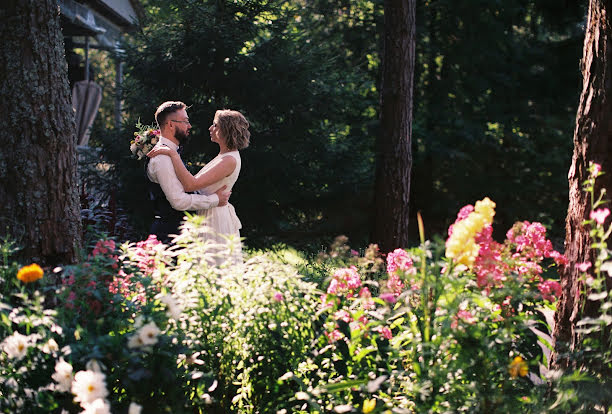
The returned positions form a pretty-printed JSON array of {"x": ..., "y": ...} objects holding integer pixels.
[{"x": 182, "y": 137}]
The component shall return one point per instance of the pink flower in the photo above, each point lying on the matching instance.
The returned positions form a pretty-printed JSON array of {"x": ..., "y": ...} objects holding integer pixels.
[
  {"x": 398, "y": 259},
  {"x": 334, "y": 335},
  {"x": 559, "y": 259},
  {"x": 344, "y": 281},
  {"x": 600, "y": 215},
  {"x": 384, "y": 331},
  {"x": 278, "y": 297},
  {"x": 550, "y": 289},
  {"x": 388, "y": 297},
  {"x": 366, "y": 298},
  {"x": 394, "y": 284},
  {"x": 354, "y": 252},
  {"x": 583, "y": 267},
  {"x": 342, "y": 315},
  {"x": 466, "y": 316},
  {"x": 595, "y": 168}
]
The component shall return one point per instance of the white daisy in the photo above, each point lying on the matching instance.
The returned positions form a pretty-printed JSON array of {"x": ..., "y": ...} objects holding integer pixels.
[
  {"x": 135, "y": 342},
  {"x": 148, "y": 334},
  {"x": 63, "y": 375},
  {"x": 16, "y": 345},
  {"x": 174, "y": 311},
  {"x": 99, "y": 406},
  {"x": 89, "y": 386},
  {"x": 134, "y": 408}
]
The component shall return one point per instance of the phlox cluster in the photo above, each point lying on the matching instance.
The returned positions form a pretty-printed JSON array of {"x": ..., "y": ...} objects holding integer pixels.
[
  {"x": 346, "y": 283},
  {"x": 145, "y": 252},
  {"x": 471, "y": 243},
  {"x": 399, "y": 264}
]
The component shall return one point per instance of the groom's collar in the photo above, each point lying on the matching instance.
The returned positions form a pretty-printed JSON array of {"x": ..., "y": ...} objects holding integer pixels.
[{"x": 168, "y": 143}]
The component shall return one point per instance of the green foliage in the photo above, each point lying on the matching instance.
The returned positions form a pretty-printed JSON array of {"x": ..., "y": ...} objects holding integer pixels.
[
  {"x": 496, "y": 90},
  {"x": 279, "y": 64},
  {"x": 585, "y": 385},
  {"x": 489, "y": 118}
]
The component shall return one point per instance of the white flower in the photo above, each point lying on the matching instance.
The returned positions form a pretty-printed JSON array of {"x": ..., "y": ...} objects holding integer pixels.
[
  {"x": 89, "y": 386},
  {"x": 148, "y": 334},
  {"x": 134, "y": 408},
  {"x": 16, "y": 345},
  {"x": 174, "y": 311},
  {"x": 99, "y": 406},
  {"x": 135, "y": 342},
  {"x": 63, "y": 375},
  {"x": 133, "y": 148},
  {"x": 50, "y": 347}
]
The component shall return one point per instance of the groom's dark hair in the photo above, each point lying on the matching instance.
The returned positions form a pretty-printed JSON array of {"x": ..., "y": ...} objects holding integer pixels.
[{"x": 166, "y": 109}]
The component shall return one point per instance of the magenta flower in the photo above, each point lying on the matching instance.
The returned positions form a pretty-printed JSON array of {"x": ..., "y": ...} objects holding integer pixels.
[
  {"x": 394, "y": 284},
  {"x": 550, "y": 290},
  {"x": 466, "y": 316},
  {"x": 388, "y": 297},
  {"x": 398, "y": 259},
  {"x": 384, "y": 331},
  {"x": 600, "y": 215},
  {"x": 344, "y": 281},
  {"x": 278, "y": 297}
]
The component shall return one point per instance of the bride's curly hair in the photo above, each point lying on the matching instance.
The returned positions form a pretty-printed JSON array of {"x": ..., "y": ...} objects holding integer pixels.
[{"x": 234, "y": 128}]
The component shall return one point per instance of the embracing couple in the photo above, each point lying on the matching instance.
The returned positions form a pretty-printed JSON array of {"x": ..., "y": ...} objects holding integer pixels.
[{"x": 171, "y": 184}]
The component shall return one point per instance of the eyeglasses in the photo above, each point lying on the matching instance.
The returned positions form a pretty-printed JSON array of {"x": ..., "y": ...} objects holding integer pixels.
[{"x": 182, "y": 122}]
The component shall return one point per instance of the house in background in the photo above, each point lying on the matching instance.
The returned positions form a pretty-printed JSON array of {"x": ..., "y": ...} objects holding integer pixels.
[{"x": 94, "y": 24}]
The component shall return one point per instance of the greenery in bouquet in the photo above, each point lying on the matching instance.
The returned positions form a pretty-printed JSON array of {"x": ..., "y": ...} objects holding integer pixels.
[{"x": 145, "y": 138}]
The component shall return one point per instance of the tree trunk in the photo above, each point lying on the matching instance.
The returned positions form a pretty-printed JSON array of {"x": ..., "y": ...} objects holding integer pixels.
[
  {"x": 591, "y": 143},
  {"x": 38, "y": 163},
  {"x": 394, "y": 152}
]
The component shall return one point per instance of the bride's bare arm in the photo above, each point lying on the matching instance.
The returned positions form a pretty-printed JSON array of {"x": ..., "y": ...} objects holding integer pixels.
[{"x": 191, "y": 183}]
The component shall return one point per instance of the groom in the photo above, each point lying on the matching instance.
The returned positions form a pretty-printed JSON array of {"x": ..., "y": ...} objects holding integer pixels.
[{"x": 170, "y": 201}]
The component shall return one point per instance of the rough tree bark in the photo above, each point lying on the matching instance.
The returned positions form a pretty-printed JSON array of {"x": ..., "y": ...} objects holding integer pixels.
[
  {"x": 38, "y": 163},
  {"x": 591, "y": 143},
  {"x": 394, "y": 143}
]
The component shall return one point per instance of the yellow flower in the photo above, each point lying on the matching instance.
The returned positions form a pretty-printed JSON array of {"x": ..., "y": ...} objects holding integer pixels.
[
  {"x": 30, "y": 273},
  {"x": 369, "y": 405},
  {"x": 518, "y": 367},
  {"x": 461, "y": 245}
]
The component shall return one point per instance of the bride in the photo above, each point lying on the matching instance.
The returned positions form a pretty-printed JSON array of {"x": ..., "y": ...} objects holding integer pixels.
[{"x": 230, "y": 131}]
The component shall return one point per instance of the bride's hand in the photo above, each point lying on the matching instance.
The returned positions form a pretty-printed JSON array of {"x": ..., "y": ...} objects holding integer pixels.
[{"x": 162, "y": 151}]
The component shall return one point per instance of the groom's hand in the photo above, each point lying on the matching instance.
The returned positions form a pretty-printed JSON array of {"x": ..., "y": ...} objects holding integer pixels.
[{"x": 223, "y": 195}]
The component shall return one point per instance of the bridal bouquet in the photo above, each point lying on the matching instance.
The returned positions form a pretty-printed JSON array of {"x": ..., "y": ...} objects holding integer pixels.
[{"x": 144, "y": 140}]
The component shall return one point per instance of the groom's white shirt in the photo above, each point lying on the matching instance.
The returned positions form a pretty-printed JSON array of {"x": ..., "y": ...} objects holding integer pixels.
[{"x": 161, "y": 171}]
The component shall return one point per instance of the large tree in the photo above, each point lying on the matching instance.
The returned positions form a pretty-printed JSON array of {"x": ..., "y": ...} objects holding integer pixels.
[
  {"x": 38, "y": 161},
  {"x": 394, "y": 152},
  {"x": 591, "y": 143}
]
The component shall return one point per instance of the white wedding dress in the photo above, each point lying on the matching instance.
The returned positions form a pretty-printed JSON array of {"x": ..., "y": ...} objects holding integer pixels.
[{"x": 222, "y": 221}]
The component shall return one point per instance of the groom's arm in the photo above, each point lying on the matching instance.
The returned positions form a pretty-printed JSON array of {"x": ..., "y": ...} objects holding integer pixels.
[{"x": 162, "y": 172}]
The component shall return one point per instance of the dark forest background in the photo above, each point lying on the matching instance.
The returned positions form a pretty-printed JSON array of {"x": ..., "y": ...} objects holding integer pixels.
[{"x": 496, "y": 89}]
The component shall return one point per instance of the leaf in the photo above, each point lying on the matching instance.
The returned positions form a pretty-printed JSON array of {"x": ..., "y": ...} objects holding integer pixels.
[
  {"x": 363, "y": 352},
  {"x": 344, "y": 350},
  {"x": 345, "y": 385}
]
